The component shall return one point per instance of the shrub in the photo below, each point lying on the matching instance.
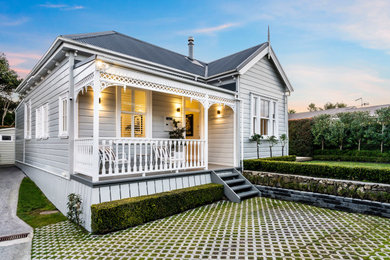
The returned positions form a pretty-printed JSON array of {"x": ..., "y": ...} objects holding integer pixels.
[
  {"x": 287, "y": 158},
  {"x": 368, "y": 153},
  {"x": 124, "y": 213},
  {"x": 348, "y": 158},
  {"x": 300, "y": 137},
  {"x": 315, "y": 170}
]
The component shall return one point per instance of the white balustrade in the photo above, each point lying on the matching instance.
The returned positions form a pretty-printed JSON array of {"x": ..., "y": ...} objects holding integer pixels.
[{"x": 139, "y": 155}]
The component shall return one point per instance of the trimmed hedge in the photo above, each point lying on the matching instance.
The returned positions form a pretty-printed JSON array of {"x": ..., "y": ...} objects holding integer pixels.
[
  {"x": 367, "y": 153},
  {"x": 348, "y": 158},
  {"x": 315, "y": 170},
  {"x": 287, "y": 158},
  {"x": 300, "y": 137},
  {"x": 124, "y": 213}
]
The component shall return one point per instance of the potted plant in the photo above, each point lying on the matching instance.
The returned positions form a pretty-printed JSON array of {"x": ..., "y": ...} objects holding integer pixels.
[{"x": 177, "y": 133}]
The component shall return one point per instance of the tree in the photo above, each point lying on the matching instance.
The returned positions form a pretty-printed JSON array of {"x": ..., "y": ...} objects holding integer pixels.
[
  {"x": 329, "y": 105},
  {"x": 8, "y": 83},
  {"x": 337, "y": 132},
  {"x": 312, "y": 107},
  {"x": 292, "y": 111},
  {"x": 384, "y": 121},
  {"x": 257, "y": 138},
  {"x": 358, "y": 127},
  {"x": 320, "y": 129},
  {"x": 341, "y": 105},
  {"x": 271, "y": 142},
  {"x": 283, "y": 140}
]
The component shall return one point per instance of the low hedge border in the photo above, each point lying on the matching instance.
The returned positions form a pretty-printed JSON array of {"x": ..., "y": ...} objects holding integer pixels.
[
  {"x": 120, "y": 214},
  {"x": 344, "y": 188},
  {"x": 361, "y": 153},
  {"x": 325, "y": 171},
  {"x": 349, "y": 158},
  {"x": 286, "y": 158}
]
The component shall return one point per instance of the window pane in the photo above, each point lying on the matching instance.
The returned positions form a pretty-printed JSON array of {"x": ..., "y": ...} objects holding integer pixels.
[
  {"x": 139, "y": 101},
  {"x": 264, "y": 108},
  {"x": 6, "y": 138},
  {"x": 254, "y": 125},
  {"x": 139, "y": 126},
  {"x": 64, "y": 115},
  {"x": 264, "y": 127},
  {"x": 126, "y": 99},
  {"x": 274, "y": 110},
  {"x": 126, "y": 125}
]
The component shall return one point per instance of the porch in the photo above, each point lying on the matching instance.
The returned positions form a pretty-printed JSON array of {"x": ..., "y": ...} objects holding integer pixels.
[{"x": 126, "y": 131}]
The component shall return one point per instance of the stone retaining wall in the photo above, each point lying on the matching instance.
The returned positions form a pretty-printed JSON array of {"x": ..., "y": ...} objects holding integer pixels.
[{"x": 345, "y": 188}]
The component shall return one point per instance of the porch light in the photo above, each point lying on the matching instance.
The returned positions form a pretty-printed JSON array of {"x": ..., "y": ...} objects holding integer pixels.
[
  {"x": 219, "y": 109},
  {"x": 178, "y": 110}
]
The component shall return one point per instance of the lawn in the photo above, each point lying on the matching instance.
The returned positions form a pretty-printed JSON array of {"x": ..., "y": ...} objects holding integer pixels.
[
  {"x": 352, "y": 164},
  {"x": 32, "y": 202}
]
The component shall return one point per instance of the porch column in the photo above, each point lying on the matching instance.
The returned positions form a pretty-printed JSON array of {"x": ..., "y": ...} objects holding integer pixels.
[
  {"x": 206, "y": 131},
  {"x": 95, "y": 162}
]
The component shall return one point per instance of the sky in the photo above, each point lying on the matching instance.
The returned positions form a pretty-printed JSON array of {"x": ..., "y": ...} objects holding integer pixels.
[{"x": 332, "y": 51}]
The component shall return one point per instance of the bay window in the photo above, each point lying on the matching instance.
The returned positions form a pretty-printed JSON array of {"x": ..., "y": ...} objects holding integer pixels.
[
  {"x": 263, "y": 116},
  {"x": 133, "y": 112}
]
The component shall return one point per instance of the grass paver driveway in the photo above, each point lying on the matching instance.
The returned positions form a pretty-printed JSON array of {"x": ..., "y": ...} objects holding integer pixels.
[{"x": 258, "y": 228}]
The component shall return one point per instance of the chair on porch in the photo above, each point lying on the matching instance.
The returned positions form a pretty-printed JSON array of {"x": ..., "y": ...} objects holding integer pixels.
[
  {"x": 107, "y": 155},
  {"x": 165, "y": 156}
]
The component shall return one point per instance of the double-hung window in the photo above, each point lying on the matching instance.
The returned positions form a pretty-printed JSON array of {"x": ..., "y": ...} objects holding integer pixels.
[
  {"x": 42, "y": 122},
  {"x": 63, "y": 115},
  {"x": 263, "y": 116},
  {"x": 133, "y": 112},
  {"x": 27, "y": 120}
]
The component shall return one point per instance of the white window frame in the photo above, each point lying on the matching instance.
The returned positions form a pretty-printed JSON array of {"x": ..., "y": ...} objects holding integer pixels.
[
  {"x": 27, "y": 120},
  {"x": 255, "y": 119},
  {"x": 147, "y": 114},
  {"x": 42, "y": 122},
  {"x": 61, "y": 132},
  {"x": 6, "y": 141}
]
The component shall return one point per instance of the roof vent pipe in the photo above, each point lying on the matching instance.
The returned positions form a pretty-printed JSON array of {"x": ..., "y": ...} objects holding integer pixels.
[{"x": 191, "y": 47}]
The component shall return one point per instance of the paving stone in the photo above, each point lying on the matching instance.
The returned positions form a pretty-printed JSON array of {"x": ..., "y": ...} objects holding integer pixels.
[{"x": 257, "y": 228}]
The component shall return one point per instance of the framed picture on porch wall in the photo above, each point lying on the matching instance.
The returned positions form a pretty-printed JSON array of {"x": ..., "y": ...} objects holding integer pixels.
[{"x": 190, "y": 125}]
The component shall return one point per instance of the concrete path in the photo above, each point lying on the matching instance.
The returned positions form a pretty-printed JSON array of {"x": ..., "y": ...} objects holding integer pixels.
[{"x": 10, "y": 224}]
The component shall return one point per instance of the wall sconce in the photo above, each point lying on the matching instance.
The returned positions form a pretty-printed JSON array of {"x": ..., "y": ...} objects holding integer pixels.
[
  {"x": 100, "y": 100},
  {"x": 219, "y": 111},
  {"x": 178, "y": 109}
]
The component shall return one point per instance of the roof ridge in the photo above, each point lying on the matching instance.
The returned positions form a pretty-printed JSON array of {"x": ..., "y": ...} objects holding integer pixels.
[
  {"x": 259, "y": 45},
  {"x": 87, "y": 35}
]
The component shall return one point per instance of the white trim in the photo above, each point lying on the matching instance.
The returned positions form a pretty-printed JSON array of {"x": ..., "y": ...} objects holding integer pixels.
[
  {"x": 253, "y": 61},
  {"x": 27, "y": 120},
  {"x": 61, "y": 99},
  {"x": 255, "y": 102},
  {"x": 67, "y": 177}
]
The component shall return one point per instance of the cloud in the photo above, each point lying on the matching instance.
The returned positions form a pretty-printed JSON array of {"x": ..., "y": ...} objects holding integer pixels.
[
  {"x": 211, "y": 30},
  {"x": 320, "y": 84},
  {"x": 14, "y": 21},
  {"x": 62, "y": 7},
  {"x": 21, "y": 62}
]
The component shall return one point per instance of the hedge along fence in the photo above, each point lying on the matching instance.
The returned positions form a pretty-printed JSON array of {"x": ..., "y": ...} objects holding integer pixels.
[
  {"x": 124, "y": 213},
  {"x": 351, "y": 189},
  {"x": 325, "y": 171},
  {"x": 300, "y": 137}
]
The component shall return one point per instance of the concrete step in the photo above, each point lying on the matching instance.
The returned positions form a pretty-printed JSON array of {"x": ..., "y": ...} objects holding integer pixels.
[
  {"x": 241, "y": 187},
  {"x": 247, "y": 194}
]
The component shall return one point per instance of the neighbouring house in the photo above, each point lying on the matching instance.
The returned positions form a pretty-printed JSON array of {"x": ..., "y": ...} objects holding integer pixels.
[
  {"x": 7, "y": 146},
  {"x": 99, "y": 109},
  {"x": 305, "y": 115}
]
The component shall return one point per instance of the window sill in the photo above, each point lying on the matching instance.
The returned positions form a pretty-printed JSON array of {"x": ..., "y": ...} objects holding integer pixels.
[{"x": 63, "y": 136}]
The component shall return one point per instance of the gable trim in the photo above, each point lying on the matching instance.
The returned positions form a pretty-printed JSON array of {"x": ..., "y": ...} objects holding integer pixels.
[{"x": 251, "y": 61}]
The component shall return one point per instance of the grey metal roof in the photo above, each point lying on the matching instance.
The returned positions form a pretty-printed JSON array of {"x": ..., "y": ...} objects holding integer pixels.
[
  {"x": 372, "y": 110},
  {"x": 127, "y": 45}
]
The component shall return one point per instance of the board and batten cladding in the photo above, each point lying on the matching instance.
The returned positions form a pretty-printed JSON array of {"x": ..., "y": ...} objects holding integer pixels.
[
  {"x": 221, "y": 135},
  {"x": 262, "y": 79},
  {"x": 50, "y": 153}
]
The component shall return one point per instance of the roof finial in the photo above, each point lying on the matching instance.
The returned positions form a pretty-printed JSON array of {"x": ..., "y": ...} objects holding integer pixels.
[{"x": 269, "y": 44}]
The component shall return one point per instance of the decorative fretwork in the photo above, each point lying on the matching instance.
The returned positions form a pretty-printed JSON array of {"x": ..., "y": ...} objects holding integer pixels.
[
  {"x": 84, "y": 83},
  {"x": 221, "y": 100}
]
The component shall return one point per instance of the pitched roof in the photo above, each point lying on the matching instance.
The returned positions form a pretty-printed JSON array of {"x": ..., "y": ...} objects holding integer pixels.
[{"x": 127, "y": 45}]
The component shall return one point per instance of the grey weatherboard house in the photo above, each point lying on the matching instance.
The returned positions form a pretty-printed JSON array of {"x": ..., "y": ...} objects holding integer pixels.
[{"x": 99, "y": 107}]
